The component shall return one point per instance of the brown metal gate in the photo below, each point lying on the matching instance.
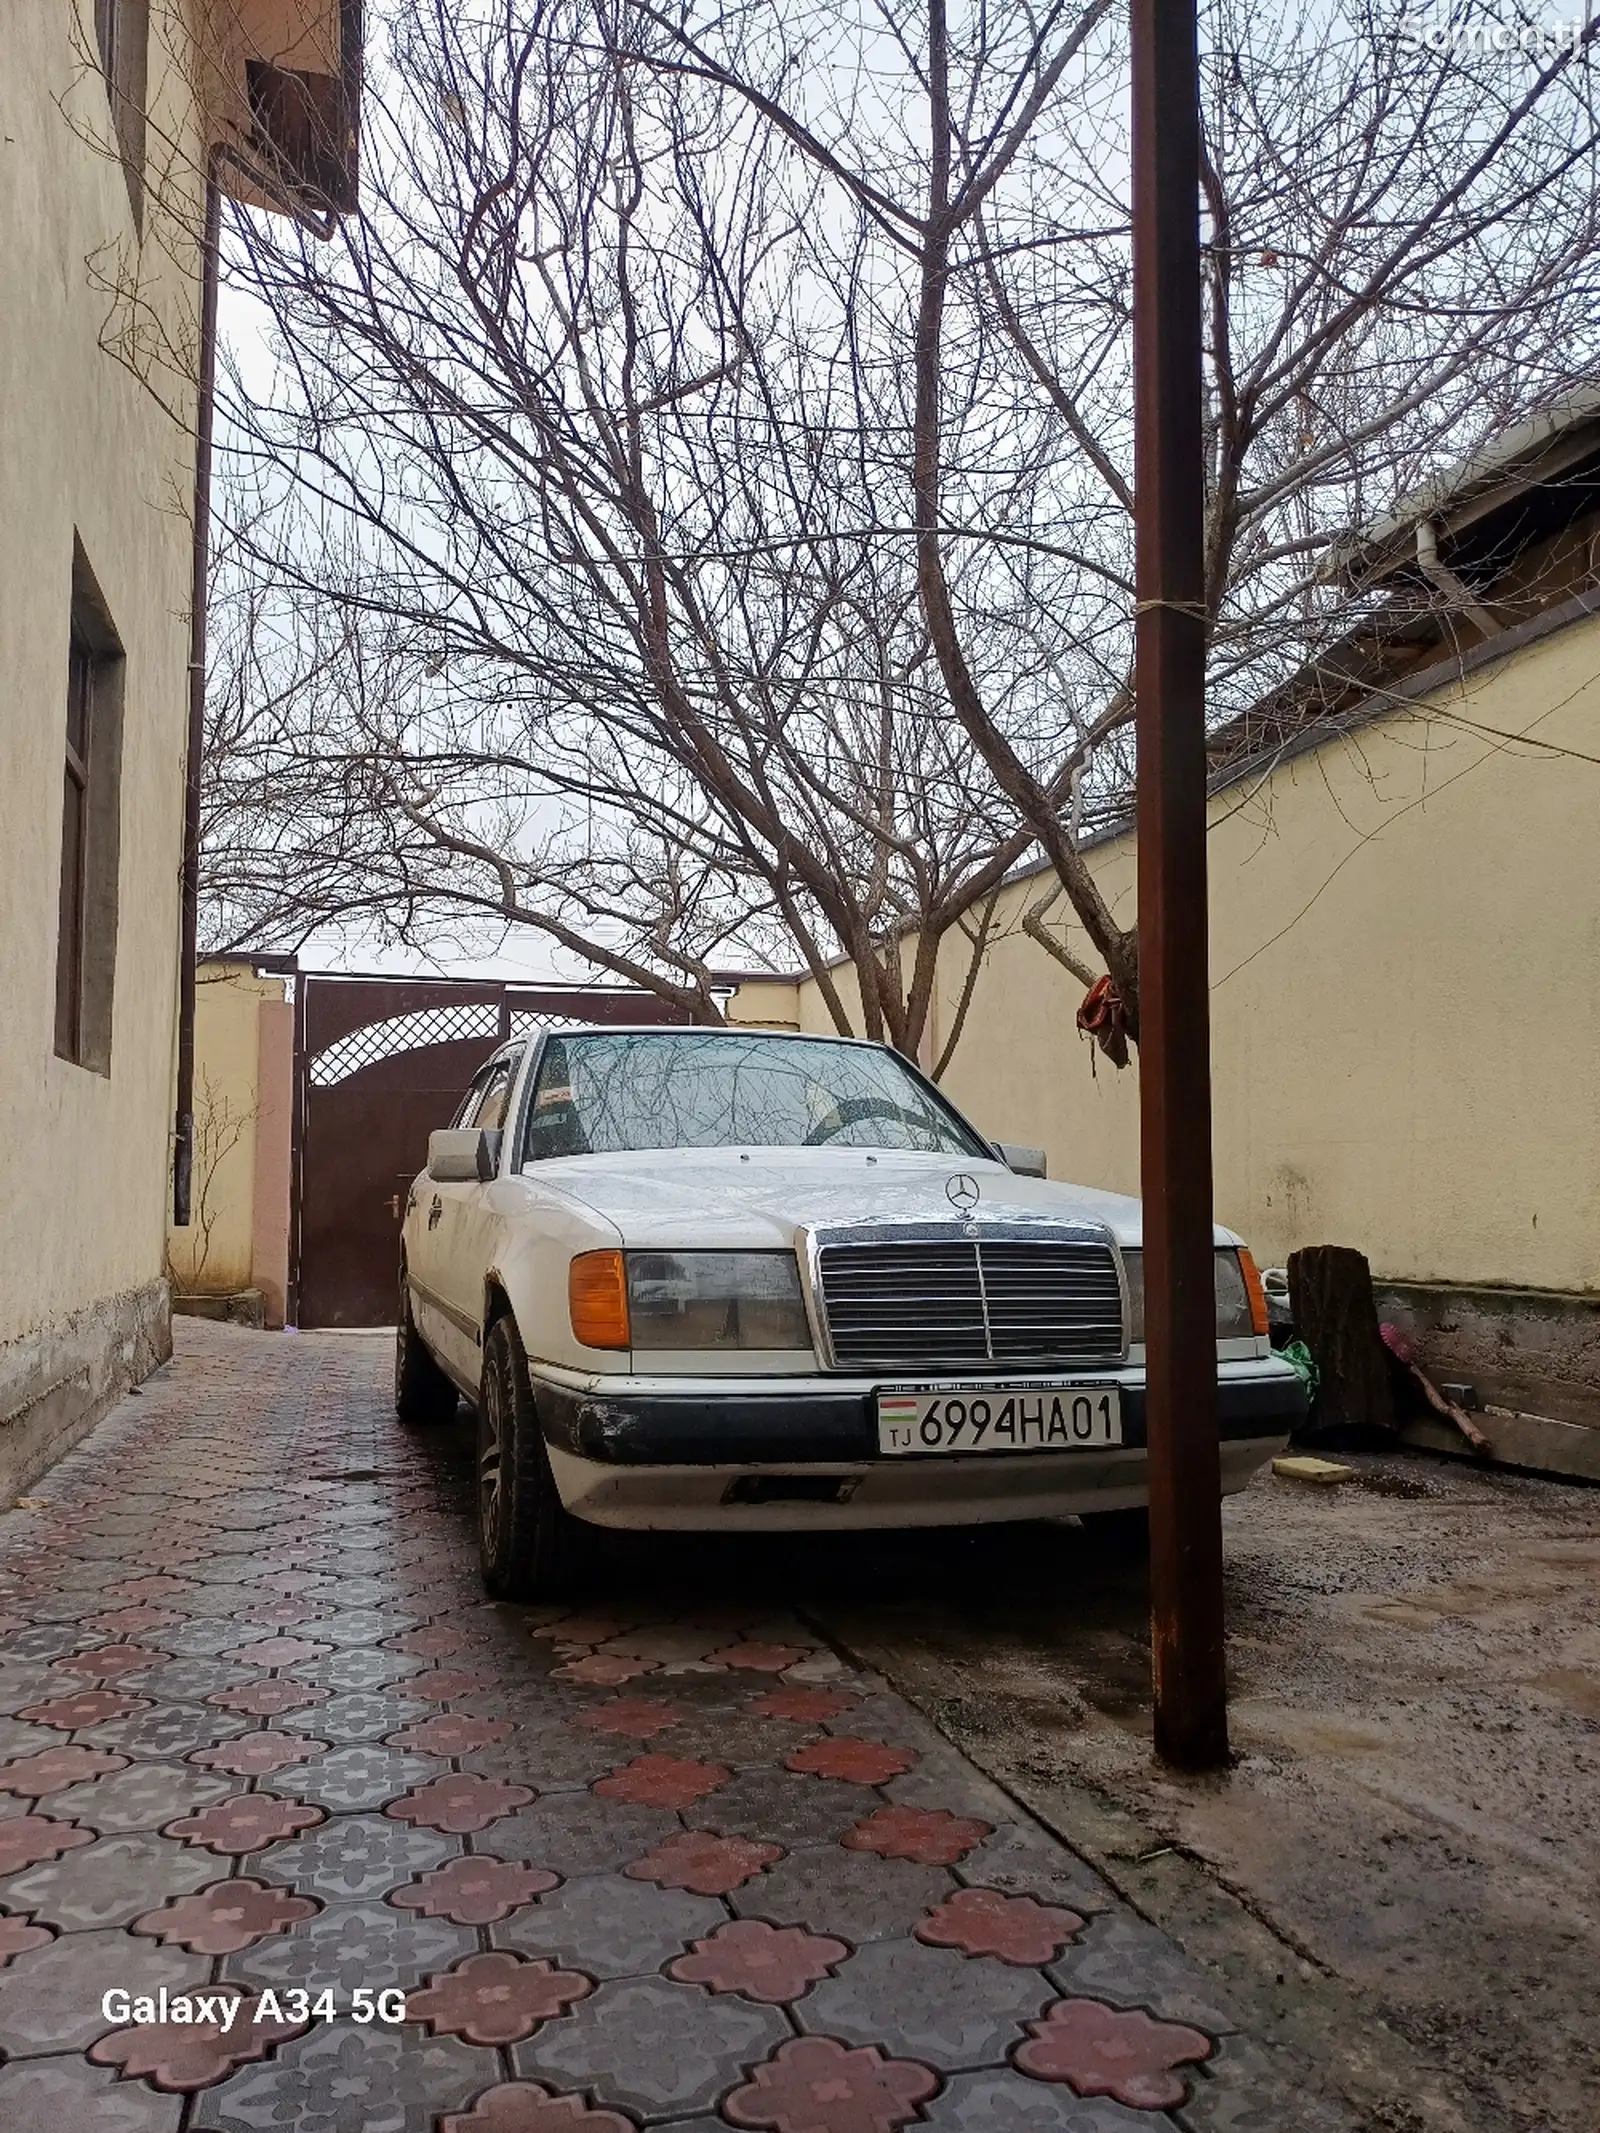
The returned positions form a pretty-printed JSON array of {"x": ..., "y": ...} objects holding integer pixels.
[{"x": 379, "y": 1062}]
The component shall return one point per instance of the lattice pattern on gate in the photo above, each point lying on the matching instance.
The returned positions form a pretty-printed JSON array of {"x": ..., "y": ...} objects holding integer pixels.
[{"x": 429, "y": 1025}]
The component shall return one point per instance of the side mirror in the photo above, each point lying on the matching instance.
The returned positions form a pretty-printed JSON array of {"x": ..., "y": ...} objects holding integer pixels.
[
  {"x": 465, "y": 1155},
  {"x": 1026, "y": 1162}
]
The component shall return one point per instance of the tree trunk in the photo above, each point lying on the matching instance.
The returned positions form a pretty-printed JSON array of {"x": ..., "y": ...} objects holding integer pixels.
[{"x": 1330, "y": 1294}]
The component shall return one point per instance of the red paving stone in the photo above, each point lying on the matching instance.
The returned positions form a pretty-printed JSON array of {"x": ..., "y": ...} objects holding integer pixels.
[
  {"x": 94, "y": 1707},
  {"x": 460, "y": 1803},
  {"x": 817, "y": 2085},
  {"x": 707, "y": 1865},
  {"x": 1109, "y": 2051},
  {"x": 26, "y": 1840},
  {"x": 474, "y": 1891},
  {"x": 54, "y": 1769},
  {"x": 452, "y": 1734},
  {"x": 269, "y": 1699},
  {"x": 932, "y": 1836},
  {"x": 617, "y": 1976},
  {"x": 1017, "y": 1929},
  {"x": 529, "y": 2107},
  {"x": 226, "y": 1917},
  {"x": 804, "y": 1706},
  {"x": 496, "y": 1998},
  {"x": 760, "y": 1658},
  {"x": 109, "y": 1662},
  {"x": 634, "y": 1717},
  {"x": 17, "y": 1937},
  {"x": 249, "y": 1822},
  {"x": 178, "y": 2057},
  {"x": 861, "y": 1762},
  {"x": 258, "y": 1754},
  {"x": 663, "y": 1781},
  {"x": 772, "y": 1964}
]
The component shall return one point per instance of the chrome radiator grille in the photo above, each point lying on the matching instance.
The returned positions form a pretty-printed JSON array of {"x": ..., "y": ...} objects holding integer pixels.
[{"x": 970, "y": 1304}]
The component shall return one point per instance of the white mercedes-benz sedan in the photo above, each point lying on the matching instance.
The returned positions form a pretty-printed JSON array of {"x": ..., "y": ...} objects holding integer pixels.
[{"x": 738, "y": 1279}]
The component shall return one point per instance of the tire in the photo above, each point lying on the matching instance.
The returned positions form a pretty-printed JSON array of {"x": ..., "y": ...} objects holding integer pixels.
[
  {"x": 530, "y": 1547},
  {"x": 424, "y": 1398}
]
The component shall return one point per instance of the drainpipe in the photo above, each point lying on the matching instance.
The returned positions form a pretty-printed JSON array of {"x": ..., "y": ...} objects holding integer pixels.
[
  {"x": 205, "y": 411},
  {"x": 1443, "y": 579},
  {"x": 200, "y": 565}
]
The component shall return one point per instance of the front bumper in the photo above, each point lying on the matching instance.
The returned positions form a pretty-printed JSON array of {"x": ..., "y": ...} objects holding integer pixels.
[{"x": 754, "y": 1455}]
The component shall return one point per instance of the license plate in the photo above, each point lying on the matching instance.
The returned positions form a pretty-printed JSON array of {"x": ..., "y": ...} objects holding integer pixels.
[{"x": 998, "y": 1418}]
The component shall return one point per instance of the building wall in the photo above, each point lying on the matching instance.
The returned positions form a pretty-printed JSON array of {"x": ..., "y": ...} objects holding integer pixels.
[
  {"x": 244, "y": 1042},
  {"x": 87, "y": 447},
  {"x": 1405, "y": 955}
]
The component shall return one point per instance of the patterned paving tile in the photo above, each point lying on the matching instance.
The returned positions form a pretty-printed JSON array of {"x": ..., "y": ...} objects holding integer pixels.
[
  {"x": 772, "y": 1964},
  {"x": 360, "y": 1774},
  {"x": 1017, "y": 1929},
  {"x": 187, "y": 2054},
  {"x": 530, "y": 2107},
  {"x": 662, "y": 1781},
  {"x": 360, "y": 1714},
  {"x": 352, "y": 1944},
  {"x": 1021, "y": 1860},
  {"x": 358, "y": 1855},
  {"x": 452, "y": 1733},
  {"x": 166, "y": 1732},
  {"x": 818, "y": 2085},
  {"x": 144, "y": 1796},
  {"x": 1008, "y": 2103},
  {"x": 107, "y": 1883},
  {"x": 856, "y": 1895},
  {"x": 650, "y": 2046},
  {"x": 17, "y": 1937},
  {"x": 783, "y": 1808},
  {"x": 574, "y": 1833},
  {"x": 259, "y": 1754},
  {"x": 498, "y": 1998},
  {"x": 73, "y": 2093},
  {"x": 227, "y": 1916},
  {"x": 610, "y": 1926},
  {"x": 50, "y": 1997},
  {"x": 341, "y": 2079},
  {"x": 90, "y": 1707},
  {"x": 245, "y": 1822},
  {"x": 270, "y": 1699},
  {"x": 1244, "y": 2089},
  {"x": 930, "y": 2004},
  {"x": 462, "y": 1802},
  {"x": 26, "y": 1839},
  {"x": 475, "y": 1890},
  {"x": 855, "y": 1762},
  {"x": 1132, "y": 1964},
  {"x": 359, "y": 1668},
  {"x": 53, "y": 1770},
  {"x": 931, "y": 1836},
  {"x": 1108, "y": 2051}
]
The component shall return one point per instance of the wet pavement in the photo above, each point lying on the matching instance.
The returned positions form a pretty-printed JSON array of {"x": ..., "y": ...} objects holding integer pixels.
[{"x": 363, "y": 1853}]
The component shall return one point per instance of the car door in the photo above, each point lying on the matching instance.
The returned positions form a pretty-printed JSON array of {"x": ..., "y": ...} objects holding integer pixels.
[
  {"x": 425, "y": 1239},
  {"x": 466, "y": 1222}
]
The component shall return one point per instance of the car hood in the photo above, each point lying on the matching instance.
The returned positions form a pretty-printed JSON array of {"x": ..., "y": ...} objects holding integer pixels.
[{"x": 728, "y": 1198}]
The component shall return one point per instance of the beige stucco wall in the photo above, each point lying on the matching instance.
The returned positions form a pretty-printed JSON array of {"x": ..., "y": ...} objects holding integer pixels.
[
  {"x": 1405, "y": 952},
  {"x": 86, "y": 447},
  {"x": 237, "y": 1122}
]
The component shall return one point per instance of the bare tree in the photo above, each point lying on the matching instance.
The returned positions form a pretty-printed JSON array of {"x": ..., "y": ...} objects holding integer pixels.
[{"x": 733, "y": 430}]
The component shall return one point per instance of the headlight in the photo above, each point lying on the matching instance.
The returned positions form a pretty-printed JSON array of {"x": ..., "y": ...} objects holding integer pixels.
[
  {"x": 716, "y": 1300},
  {"x": 1241, "y": 1306}
]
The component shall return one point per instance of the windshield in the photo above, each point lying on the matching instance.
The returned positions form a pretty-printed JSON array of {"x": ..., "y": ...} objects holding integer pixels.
[{"x": 603, "y": 1095}]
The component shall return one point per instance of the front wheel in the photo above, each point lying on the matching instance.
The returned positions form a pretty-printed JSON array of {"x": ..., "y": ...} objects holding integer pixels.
[
  {"x": 424, "y": 1397},
  {"x": 530, "y": 1547}
]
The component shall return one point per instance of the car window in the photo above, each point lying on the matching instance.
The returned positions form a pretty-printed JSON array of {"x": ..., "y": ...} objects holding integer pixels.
[
  {"x": 603, "y": 1094},
  {"x": 493, "y": 1097},
  {"x": 469, "y": 1103}
]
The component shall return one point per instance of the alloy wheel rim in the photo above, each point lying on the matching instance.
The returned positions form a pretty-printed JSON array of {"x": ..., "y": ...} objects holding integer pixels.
[{"x": 490, "y": 1454}]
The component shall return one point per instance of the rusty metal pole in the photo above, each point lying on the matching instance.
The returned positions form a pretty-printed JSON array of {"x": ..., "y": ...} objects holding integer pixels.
[{"x": 1191, "y": 1716}]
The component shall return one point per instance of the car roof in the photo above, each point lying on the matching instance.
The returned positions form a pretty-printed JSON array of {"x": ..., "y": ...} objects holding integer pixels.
[{"x": 707, "y": 1029}]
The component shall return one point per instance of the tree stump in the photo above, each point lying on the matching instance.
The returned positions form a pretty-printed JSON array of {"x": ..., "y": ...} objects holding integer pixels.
[{"x": 1330, "y": 1294}]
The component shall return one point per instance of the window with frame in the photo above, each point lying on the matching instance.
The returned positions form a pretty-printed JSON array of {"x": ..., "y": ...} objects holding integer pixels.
[
  {"x": 86, "y": 921},
  {"x": 122, "y": 34}
]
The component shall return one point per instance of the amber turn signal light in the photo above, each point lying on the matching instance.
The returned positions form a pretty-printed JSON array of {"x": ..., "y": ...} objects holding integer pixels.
[
  {"x": 597, "y": 1299},
  {"x": 1252, "y": 1288}
]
